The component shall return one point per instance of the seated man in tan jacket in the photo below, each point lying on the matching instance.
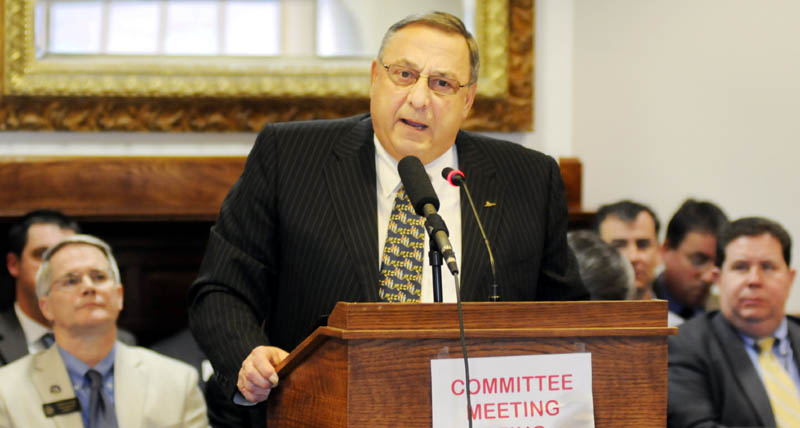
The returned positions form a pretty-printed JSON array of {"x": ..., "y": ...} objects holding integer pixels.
[{"x": 89, "y": 379}]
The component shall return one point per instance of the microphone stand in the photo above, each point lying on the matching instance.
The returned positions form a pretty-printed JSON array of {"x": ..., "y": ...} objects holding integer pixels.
[{"x": 436, "y": 270}]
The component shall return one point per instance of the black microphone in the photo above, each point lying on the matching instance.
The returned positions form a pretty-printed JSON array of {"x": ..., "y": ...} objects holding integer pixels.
[
  {"x": 420, "y": 191},
  {"x": 458, "y": 179}
]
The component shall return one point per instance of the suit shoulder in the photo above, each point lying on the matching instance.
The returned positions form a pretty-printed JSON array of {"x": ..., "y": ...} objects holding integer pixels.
[
  {"x": 16, "y": 369},
  {"x": 164, "y": 365},
  {"x": 315, "y": 127},
  {"x": 696, "y": 332},
  {"x": 506, "y": 152},
  {"x": 307, "y": 142}
]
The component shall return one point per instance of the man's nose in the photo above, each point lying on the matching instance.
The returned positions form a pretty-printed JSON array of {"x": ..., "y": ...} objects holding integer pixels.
[
  {"x": 709, "y": 274},
  {"x": 632, "y": 253},
  {"x": 87, "y": 285},
  {"x": 419, "y": 94},
  {"x": 755, "y": 276}
]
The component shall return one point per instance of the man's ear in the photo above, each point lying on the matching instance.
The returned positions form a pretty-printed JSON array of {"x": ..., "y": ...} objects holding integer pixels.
[
  {"x": 12, "y": 264},
  {"x": 470, "y": 99},
  {"x": 373, "y": 72},
  {"x": 121, "y": 292},
  {"x": 664, "y": 249},
  {"x": 715, "y": 270},
  {"x": 44, "y": 306}
]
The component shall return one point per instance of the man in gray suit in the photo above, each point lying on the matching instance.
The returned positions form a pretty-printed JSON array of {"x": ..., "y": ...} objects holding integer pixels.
[
  {"x": 88, "y": 378},
  {"x": 23, "y": 327},
  {"x": 304, "y": 226},
  {"x": 739, "y": 367}
]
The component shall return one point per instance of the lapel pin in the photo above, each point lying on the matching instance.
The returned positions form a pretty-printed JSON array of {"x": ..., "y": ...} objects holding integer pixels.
[
  {"x": 489, "y": 204},
  {"x": 55, "y": 389}
]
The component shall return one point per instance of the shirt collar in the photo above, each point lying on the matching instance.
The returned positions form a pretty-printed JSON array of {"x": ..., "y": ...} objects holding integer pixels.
[
  {"x": 77, "y": 369},
  {"x": 388, "y": 177},
  {"x": 32, "y": 329},
  {"x": 781, "y": 334}
]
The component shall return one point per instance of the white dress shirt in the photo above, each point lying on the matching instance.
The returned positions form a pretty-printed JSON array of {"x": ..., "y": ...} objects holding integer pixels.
[{"x": 388, "y": 182}]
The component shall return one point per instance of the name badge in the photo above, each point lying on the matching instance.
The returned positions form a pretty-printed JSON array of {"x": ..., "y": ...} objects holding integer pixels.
[{"x": 61, "y": 407}]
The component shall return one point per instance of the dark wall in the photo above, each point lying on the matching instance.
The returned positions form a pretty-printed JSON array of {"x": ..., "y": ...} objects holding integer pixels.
[{"x": 158, "y": 261}]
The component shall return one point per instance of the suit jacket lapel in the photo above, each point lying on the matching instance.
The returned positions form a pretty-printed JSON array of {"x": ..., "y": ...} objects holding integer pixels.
[
  {"x": 746, "y": 374},
  {"x": 12, "y": 339},
  {"x": 130, "y": 387},
  {"x": 351, "y": 181},
  {"x": 794, "y": 338},
  {"x": 51, "y": 380},
  {"x": 487, "y": 193}
]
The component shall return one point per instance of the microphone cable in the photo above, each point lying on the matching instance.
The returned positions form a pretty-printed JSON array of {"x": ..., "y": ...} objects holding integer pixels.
[{"x": 463, "y": 346}]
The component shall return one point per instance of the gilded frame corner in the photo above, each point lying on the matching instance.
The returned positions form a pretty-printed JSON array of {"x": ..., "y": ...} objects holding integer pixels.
[{"x": 237, "y": 95}]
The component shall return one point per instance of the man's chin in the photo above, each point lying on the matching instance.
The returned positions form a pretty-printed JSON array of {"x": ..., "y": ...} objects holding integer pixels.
[
  {"x": 411, "y": 142},
  {"x": 97, "y": 318},
  {"x": 754, "y": 315},
  {"x": 420, "y": 149}
]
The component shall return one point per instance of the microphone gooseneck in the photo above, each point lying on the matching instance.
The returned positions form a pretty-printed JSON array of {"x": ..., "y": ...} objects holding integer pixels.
[
  {"x": 420, "y": 191},
  {"x": 458, "y": 179}
]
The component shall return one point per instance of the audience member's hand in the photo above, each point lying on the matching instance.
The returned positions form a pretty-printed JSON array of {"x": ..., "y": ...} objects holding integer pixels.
[{"x": 257, "y": 375}]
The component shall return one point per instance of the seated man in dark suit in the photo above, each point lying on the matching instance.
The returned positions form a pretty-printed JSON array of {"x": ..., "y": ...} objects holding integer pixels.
[
  {"x": 632, "y": 228},
  {"x": 23, "y": 328},
  {"x": 689, "y": 253},
  {"x": 738, "y": 367},
  {"x": 311, "y": 221}
]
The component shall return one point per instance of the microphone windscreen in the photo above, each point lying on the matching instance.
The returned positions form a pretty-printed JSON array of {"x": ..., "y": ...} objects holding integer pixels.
[
  {"x": 453, "y": 176},
  {"x": 417, "y": 184}
]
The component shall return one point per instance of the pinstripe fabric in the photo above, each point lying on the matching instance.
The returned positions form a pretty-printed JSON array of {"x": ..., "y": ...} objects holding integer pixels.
[
  {"x": 298, "y": 232},
  {"x": 525, "y": 220}
]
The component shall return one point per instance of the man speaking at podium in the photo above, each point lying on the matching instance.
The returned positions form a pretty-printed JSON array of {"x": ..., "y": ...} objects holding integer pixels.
[{"x": 306, "y": 223}]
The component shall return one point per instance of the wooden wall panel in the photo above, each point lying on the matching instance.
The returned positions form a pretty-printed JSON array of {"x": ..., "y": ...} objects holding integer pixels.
[
  {"x": 118, "y": 187},
  {"x": 155, "y": 212}
]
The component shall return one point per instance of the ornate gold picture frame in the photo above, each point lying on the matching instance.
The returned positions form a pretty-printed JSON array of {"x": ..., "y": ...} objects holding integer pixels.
[{"x": 223, "y": 94}]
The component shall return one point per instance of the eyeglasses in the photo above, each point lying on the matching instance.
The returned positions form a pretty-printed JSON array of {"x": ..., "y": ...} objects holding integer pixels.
[
  {"x": 71, "y": 281},
  {"x": 404, "y": 76}
]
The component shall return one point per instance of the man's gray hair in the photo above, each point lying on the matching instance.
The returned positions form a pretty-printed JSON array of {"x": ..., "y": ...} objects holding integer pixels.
[
  {"x": 441, "y": 21},
  {"x": 44, "y": 275}
]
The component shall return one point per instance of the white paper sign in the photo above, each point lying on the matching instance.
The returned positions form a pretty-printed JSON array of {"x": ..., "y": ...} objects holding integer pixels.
[{"x": 530, "y": 391}]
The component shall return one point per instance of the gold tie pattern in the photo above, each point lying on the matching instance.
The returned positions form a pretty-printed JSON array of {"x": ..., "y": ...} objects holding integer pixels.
[
  {"x": 401, "y": 262},
  {"x": 783, "y": 395}
]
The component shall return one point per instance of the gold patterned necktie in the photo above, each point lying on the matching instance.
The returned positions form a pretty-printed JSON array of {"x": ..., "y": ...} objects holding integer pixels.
[
  {"x": 783, "y": 395},
  {"x": 401, "y": 261}
]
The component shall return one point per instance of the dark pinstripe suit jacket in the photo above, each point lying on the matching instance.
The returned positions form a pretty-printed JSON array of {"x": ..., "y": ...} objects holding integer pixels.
[
  {"x": 298, "y": 232},
  {"x": 712, "y": 381}
]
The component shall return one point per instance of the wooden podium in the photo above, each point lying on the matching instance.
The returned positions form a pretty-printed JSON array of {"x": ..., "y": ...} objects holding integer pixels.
[{"x": 370, "y": 367}]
